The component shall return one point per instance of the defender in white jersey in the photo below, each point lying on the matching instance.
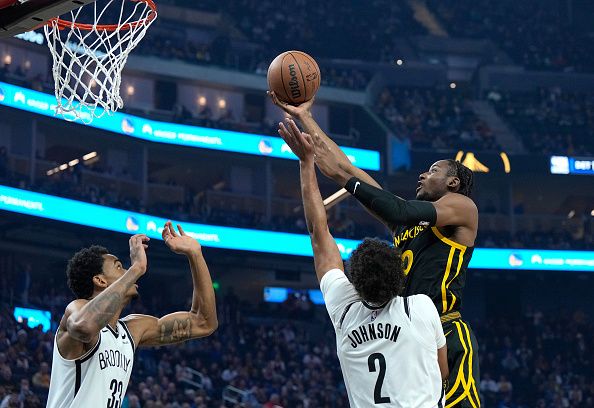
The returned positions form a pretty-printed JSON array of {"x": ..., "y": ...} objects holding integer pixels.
[
  {"x": 392, "y": 349},
  {"x": 93, "y": 348}
]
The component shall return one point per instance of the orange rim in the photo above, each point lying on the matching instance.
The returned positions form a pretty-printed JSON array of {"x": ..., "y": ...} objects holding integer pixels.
[{"x": 65, "y": 24}]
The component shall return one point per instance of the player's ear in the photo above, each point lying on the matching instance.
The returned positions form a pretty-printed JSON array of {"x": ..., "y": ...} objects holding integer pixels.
[
  {"x": 453, "y": 183},
  {"x": 100, "y": 281}
]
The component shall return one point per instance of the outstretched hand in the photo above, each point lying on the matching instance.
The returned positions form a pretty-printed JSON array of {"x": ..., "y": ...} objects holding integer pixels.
[
  {"x": 138, "y": 246},
  {"x": 301, "y": 143},
  {"x": 180, "y": 244},
  {"x": 296, "y": 112}
]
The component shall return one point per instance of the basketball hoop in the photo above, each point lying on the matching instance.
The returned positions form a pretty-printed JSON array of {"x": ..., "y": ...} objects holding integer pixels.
[{"x": 89, "y": 56}]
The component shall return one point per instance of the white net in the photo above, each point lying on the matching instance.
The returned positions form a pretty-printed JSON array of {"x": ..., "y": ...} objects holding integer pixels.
[{"x": 90, "y": 48}]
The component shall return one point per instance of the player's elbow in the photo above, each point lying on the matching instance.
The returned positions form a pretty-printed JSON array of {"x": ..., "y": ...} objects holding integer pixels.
[
  {"x": 212, "y": 326},
  {"x": 81, "y": 330},
  {"x": 206, "y": 325},
  {"x": 442, "y": 360},
  {"x": 445, "y": 372}
]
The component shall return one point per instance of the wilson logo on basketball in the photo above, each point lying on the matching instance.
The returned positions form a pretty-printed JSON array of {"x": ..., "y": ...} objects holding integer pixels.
[{"x": 294, "y": 83}]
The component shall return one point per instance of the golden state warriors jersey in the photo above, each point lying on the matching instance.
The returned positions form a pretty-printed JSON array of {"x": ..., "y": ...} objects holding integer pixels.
[{"x": 434, "y": 265}]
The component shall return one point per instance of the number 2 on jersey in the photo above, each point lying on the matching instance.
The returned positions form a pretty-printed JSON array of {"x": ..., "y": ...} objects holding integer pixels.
[
  {"x": 407, "y": 260},
  {"x": 377, "y": 392},
  {"x": 115, "y": 387}
]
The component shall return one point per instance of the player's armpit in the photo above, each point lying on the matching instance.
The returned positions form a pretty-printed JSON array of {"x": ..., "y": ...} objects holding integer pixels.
[
  {"x": 326, "y": 254},
  {"x": 456, "y": 210},
  {"x": 72, "y": 341},
  {"x": 442, "y": 359},
  {"x": 170, "y": 329}
]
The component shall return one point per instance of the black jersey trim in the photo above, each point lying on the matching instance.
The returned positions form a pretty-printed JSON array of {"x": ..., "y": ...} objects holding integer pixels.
[
  {"x": 346, "y": 309},
  {"x": 406, "y": 308},
  {"x": 129, "y": 335},
  {"x": 90, "y": 354},
  {"x": 371, "y": 307},
  {"x": 78, "y": 363},
  {"x": 78, "y": 376},
  {"x": 440, "y": 402},
  {"x": 114, "y": 332}
]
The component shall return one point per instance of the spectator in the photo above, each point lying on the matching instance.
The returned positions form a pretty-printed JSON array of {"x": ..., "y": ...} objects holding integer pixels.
[{"x": 41, "y": 379}]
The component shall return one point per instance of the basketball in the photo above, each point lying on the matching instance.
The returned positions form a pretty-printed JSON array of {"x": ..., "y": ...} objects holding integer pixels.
[{"x": 294, "y": 77}]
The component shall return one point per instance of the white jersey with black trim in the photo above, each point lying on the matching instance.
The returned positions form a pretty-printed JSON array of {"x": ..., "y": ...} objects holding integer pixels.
[
  {"x": 97, "y": 379},
  {"x": 388, "y": 354}
]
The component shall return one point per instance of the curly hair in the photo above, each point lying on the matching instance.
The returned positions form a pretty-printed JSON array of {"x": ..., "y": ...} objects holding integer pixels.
[
  {"x": 375, "y": 270},
  {"x": 85, "y": 264},
  {"x": 466, "y": 176}
]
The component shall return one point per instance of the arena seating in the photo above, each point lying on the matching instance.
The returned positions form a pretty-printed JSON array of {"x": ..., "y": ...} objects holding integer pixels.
[
  {"x": 550, "y": 121},
  {"x": 437, "y": 119},
  {"x": 533, "y": 359},
  {"x": 537, "y": 34}
]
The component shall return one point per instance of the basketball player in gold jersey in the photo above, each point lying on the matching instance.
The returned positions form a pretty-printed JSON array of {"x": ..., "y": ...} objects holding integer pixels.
[{"x": 436, "y": 233}]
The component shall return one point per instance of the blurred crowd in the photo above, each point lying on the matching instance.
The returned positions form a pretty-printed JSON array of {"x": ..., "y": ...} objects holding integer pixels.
[
  {"x": 538, "y": 34},
  {"x": 195, "y": 206},
  {"x": 550, "y": 121},
  {"x": 580, "y": 237},
  {"x": 218, "y": 205},
  {"x": 334, "y": 29},
  {"x": 529, "y": 360},
  {"x": 436, "y": 119},
  {"x": 537, "y": 360}
]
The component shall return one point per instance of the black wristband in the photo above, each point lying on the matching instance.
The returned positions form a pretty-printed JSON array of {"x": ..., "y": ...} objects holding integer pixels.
[{"x": 351, "y": 185}]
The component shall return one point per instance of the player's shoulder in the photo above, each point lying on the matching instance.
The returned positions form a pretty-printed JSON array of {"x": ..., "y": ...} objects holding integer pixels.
[
  {"x": 421, "y": 302},
  {"x": 332, "y": 276},
  {"x": 460, "y": 200},
  {"x": 75, "y": 306},
  {"x": 467, "y": 202}
]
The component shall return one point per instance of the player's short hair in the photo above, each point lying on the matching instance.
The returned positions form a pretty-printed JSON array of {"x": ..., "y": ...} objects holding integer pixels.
[
  {"x": 375, "y": 270},
  {"x": 466, "y": 176},
  {"x": 82, "y": 267}
]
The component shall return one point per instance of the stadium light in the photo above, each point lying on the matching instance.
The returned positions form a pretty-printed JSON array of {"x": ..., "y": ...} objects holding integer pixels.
[
  {"x": 222, "y": 103},
  {"x": 201, "y": 101},
  {"x": 7, "y": 59},
  {"x": 399, "y": 61},
  {"x": 130, "y": 90},
  {"x": 453, "y": 85},
  {"x": 89, "y": 156}
]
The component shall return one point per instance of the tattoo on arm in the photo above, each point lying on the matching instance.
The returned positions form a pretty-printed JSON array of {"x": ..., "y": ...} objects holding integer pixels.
[
  {"x": 104, "y": 307},
  {"x": 175, "y": 330}
]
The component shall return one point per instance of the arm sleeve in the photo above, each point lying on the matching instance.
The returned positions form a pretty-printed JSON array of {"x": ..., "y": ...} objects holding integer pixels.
[
  {"x": 338, "y": 293},
  {"x": 393, "y": 210}
]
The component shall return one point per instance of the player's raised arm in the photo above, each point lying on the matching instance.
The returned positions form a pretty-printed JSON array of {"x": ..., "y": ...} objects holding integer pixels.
[
  {"x": 448, "y": 210},
  {"x": 200, "y": 320},
  {"x": 326, "y": 254},
  {"x": 84, "y": 319},
  {"x": 336, "y": 159}
]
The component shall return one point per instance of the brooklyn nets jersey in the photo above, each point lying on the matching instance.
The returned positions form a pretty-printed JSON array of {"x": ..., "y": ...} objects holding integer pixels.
[
  {"x": 388, "y": 354},
  {"x": 435, "y": 266},
  {"x": 97, "y": 379}
]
